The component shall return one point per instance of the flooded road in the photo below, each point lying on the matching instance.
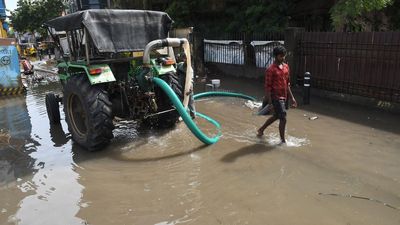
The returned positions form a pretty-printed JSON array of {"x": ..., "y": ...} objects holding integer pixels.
[{"x": 341, "y": 168}]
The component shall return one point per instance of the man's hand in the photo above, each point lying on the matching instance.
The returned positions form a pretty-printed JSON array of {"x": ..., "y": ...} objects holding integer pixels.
[{"x": 294, "y": 103}]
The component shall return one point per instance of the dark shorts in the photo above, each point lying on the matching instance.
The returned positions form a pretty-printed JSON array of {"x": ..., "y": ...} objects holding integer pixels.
[{"x": 279, "y": 108}]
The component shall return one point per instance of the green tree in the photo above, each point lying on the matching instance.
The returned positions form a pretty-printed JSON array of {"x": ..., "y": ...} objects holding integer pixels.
[
  {"x": 394, "y": 15},
  {"x": 30, "y": 15},
  {"x": 259, "y": 16},
  {"x": 129, "y": 4},
  {"x": 350, "y": 15},
  {"x": 249, "y": 16},
  {"x": 183, "y": 12}
]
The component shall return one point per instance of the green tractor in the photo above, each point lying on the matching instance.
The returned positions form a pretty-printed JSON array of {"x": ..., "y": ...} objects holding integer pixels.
[{"x": 109, "y": 59}]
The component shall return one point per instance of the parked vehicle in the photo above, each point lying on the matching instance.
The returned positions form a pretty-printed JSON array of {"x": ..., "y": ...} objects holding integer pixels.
[
  {"x": 10, "y": 73},
  {"x": 28, "y": 49},
  {"x": 113, "y": 54}
]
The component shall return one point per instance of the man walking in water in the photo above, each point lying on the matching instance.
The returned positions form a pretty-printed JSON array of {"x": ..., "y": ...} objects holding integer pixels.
[{"x": 277, "y": 88}]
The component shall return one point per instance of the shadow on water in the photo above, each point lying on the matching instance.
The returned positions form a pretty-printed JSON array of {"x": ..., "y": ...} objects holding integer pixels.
[
  {"x": 115, "y": 149},
  {"x": 120, "y": 157},
  {"x": 80, "y": 154},
  {"x": 252, "y": 149}
]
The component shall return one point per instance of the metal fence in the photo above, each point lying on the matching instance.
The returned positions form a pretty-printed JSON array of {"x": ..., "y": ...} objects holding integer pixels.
[
  {"x": 241, "y": 48},
  {"x": 263, "y": 52},
  {"x": 224, "y": 51},
  {"x": 365, "y": 64}
]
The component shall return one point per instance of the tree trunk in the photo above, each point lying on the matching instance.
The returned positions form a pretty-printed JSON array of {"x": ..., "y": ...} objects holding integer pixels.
[{"x": 145, "y": 4}]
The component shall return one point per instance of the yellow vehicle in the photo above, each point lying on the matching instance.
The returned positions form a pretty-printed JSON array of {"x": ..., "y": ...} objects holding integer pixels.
[{"x": 28, "y": 49}]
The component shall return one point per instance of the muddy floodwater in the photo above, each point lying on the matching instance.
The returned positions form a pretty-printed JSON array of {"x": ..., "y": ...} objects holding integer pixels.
[{"x": 341, "y": 165}]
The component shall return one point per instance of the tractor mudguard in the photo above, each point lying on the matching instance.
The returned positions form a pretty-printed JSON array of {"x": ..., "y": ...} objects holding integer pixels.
[
  {"x": 100, "y": 74},
  {"x": 97, "y": 74}
]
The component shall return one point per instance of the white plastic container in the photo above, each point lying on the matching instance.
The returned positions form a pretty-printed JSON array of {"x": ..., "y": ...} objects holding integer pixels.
[
  {"x": 216, "y": 83},
  {"x": 265, "y": 111}
]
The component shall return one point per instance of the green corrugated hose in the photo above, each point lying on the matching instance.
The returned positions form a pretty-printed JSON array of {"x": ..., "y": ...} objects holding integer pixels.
[
  {"x": 222, "y": 94},
  {"x": 185, "y": 115}
]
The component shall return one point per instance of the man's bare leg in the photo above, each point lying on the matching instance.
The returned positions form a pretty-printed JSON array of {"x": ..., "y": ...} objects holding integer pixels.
[
  {"x": 269, "y": 121},
  {"x": 282, "y": 125}
]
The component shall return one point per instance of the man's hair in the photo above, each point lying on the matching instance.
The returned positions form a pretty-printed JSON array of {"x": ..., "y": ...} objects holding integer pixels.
[{"x": 279, "y": 50}]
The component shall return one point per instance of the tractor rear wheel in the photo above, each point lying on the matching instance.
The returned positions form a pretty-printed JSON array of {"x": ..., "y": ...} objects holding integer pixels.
[{"x": 88, "y": 112}]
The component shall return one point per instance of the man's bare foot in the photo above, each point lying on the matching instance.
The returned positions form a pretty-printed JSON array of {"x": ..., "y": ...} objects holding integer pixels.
[{"x": 283, "y": 142}]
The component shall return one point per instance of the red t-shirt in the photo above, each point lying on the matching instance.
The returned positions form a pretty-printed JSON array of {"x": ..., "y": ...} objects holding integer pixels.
[{"x": 277, "y": 81}]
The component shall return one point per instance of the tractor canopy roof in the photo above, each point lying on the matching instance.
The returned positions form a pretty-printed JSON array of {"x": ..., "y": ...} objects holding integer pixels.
[{"x": 113, "y": 30}]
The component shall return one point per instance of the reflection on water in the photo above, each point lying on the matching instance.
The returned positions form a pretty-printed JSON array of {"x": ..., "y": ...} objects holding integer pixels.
[
  {"x": 15, "y": 140},
  {"x": 40, "y": 186},
  {"x": 14, "y": 117},
  {"x": 58, "y": 136}
]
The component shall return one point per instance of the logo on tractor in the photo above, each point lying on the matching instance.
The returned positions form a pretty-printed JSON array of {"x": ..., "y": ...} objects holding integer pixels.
[{"x": 5, "y": 60}]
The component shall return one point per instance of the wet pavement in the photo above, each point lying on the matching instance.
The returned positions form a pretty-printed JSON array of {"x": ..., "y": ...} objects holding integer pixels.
[{"x": 340, "y": 166}]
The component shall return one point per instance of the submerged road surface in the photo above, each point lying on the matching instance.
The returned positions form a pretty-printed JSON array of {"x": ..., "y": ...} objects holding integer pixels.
[{"x": 341, "y": 166}]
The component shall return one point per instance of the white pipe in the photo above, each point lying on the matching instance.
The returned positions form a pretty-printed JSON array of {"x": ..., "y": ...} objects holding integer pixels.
[
  {"x": 189, "y": 74},
  {"x": 173, "y": 42},
  {"x": 150, "y": 46},
  {"x": 168, "y": 42}
]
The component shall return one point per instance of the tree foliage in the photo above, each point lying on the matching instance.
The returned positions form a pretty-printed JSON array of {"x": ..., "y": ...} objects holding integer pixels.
[
  {"x": 350, "y": 15},
  {"x": 394, "y": 16},
  {"x": 29, "y": 15},
  {"x": 185, "y": 13},
  {"x": 259, "y": 16},
  {"x": 250, "y": 16},
  {"x": 267, "y": 15},
  {"x": 130, "y": 4}
]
